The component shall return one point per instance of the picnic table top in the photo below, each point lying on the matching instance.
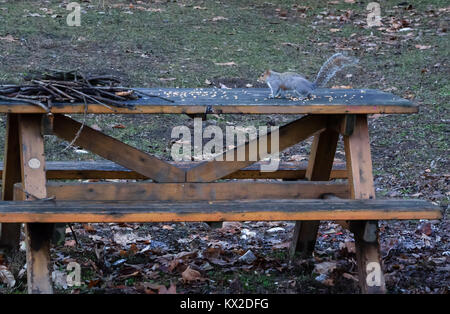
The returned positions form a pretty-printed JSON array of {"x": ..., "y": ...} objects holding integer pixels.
[{"x": 238, "y": 101}]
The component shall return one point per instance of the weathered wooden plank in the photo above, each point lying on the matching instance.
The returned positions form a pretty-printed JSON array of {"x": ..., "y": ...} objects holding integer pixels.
[
  {"x": 248, "y": 210},
  {"x": 192, "y": 191},
  {"x": 359, "y": 160},
  {"x": 121, "y": 153},
  {"x": 37, "y": 236},
  {"x": 69, "y": 170},
  {"x": 250, "y": 101},
  {"x": 359, "y": 165},
  {"x": 319, "y": 168},
  {"x": 322, "y": 154},
  {"x": 289, "y": 134},
  {"x": 10, "y": 233}
]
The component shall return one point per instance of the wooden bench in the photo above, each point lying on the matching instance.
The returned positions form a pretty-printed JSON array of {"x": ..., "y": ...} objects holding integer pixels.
[
  {"x": 73, "y": 170},
  {"x": 203, "y": 191},
  {"x": 242, "y": 210}
]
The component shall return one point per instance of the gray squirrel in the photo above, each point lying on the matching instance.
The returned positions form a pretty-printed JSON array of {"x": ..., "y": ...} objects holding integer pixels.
[{"x": 280, "y": 82}]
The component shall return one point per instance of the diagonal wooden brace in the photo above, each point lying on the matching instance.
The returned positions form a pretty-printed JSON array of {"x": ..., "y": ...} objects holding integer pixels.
[
  {"x": 114, "y": 150},
  {"x": 319, "y": 168},
  {"x": 289, "y": 134}
]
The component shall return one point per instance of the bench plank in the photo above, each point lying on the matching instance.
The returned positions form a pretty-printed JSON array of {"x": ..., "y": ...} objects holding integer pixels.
[
  {"x": 246, "y": 210},
  {"x": 102, "y": 169},
  {"x": 238, "y": 100},
  {"x": 192, "y": 191}
]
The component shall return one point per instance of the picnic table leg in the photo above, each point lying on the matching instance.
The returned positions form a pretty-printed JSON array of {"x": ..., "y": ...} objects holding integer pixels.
[
  {"x": 38, "y": 236},
  {"x": 360, "y": 177},
  {"x": 10, "y": 234},
  {"x": 319, "y": 169}
]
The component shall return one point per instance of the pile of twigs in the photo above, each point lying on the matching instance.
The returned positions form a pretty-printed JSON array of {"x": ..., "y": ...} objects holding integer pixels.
[{"x": 58, "y": 87}]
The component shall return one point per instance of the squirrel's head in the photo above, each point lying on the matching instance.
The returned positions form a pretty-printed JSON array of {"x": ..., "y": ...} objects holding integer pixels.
[{"x": 263, "y": 77}]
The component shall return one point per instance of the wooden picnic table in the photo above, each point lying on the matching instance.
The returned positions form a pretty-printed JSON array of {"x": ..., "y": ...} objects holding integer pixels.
[{"x": 198, "y": 191}]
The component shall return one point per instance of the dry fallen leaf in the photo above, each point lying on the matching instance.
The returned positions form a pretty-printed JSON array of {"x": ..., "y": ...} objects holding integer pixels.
[
  {"x": 168, "y": 79},
  {"x": 93, "y": 283},
  {"x": 89, "y": 228},
  {"x": 284, "y": 245},
  {"x": 226, "y": 63},
  {"x": 334, "y": 30},
  {"x": 133, "y": 249},
  {"x": 154, "y": 10},
  {"x": 325, "y": 267},
  {"x": 119, "y": 126},
  {"x": 190, "y": 275},
  {"x": 70, "y": 243},
  {"x": 219, "y": 18},
  {"x": 422, "y": 47},
  {"x": 171, "y": 290},
  {"x": 283, "y": 13},
  {"x": 8, "y": 38},
  {"x": 7, "y": 277}
]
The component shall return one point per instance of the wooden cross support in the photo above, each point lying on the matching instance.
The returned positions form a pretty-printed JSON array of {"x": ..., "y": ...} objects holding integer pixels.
[{"x": 190, "y": 191}]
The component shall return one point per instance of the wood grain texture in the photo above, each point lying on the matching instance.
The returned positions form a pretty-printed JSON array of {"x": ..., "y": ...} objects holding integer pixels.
[
  {"x": 37, "y": 236},
  {"x": 289, "y": 134},
  {"x": 249, "y": 101},
  {"x": 359, "y": 165},
  {"x": 69, "y": 170},
  {"x": 114, "y": 150},
  {"x": 359, "y": 160},
  {"x": 248, "y": 210},
  {"x": 319, "y": 168},
  {"x": 10, "y": 233},
  {"x": 192, "y": 191}
]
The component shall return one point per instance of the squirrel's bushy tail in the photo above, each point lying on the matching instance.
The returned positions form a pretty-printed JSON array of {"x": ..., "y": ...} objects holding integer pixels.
[{"x": 335, "y": 63}]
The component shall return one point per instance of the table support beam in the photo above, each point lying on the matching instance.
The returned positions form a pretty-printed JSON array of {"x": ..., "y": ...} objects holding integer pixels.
[
  {"x": 38, "y": 236},
  {"x": 289, "y": 135},
  {"x": 10, "y": 232},
  {"x": 319, "y": 169},
  {"x": 359, "y": 165},
  {"x": 114, "y": 150}
]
